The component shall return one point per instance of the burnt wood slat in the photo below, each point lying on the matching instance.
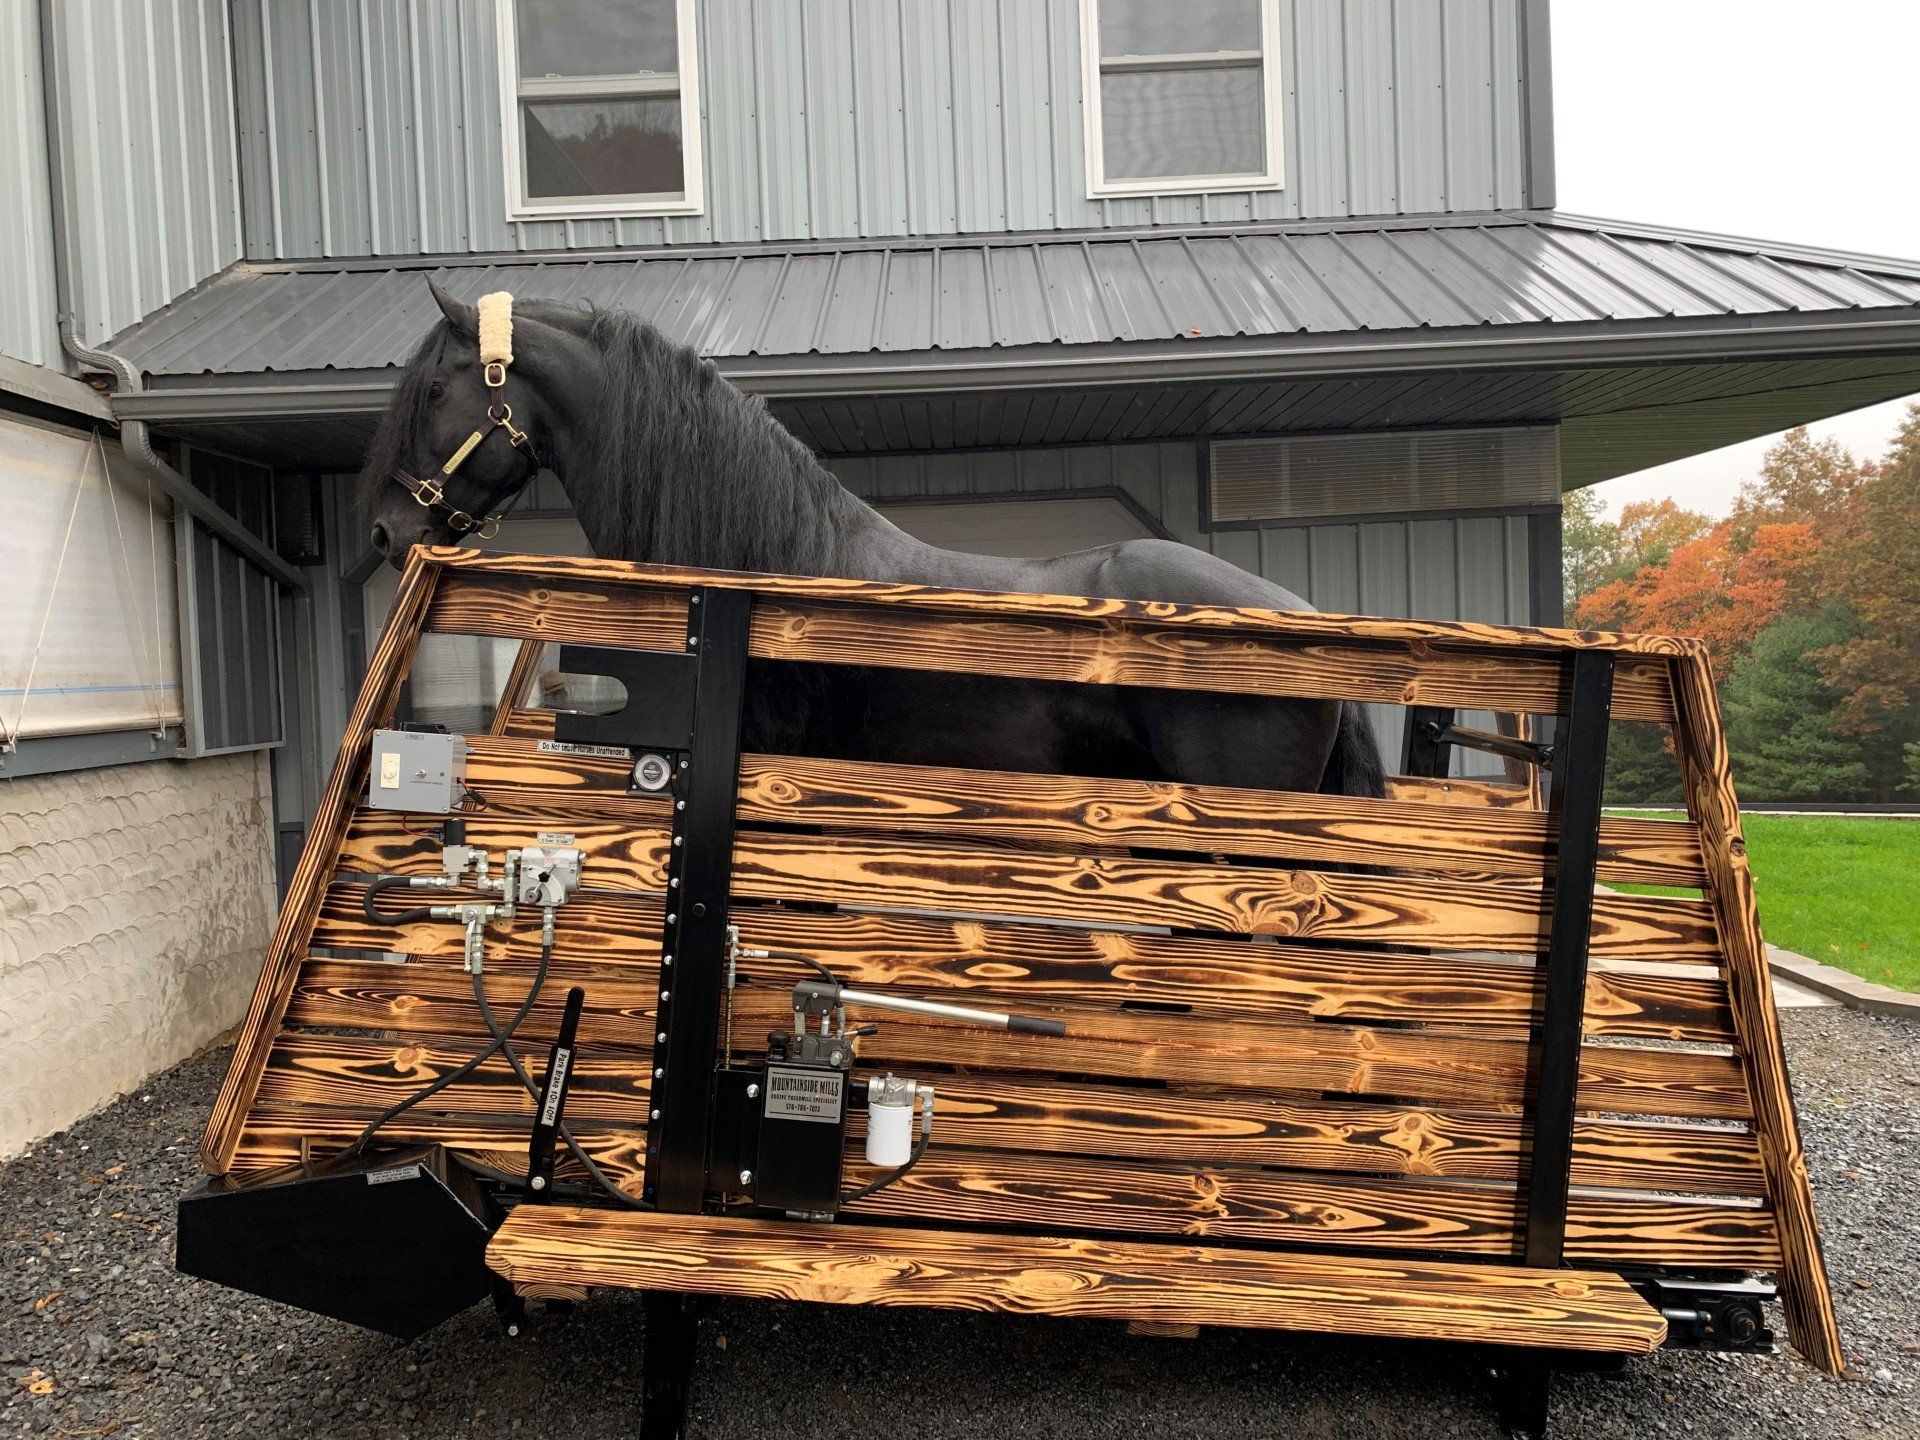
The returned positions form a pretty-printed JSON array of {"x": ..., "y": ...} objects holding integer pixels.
[
  {"x": 1497, "y": 794},
  {"x": 1462, "y": 1069},
  {"x": 1425, "y": 834},
  {"x": 1270, "y": 1207},
  {"x": 519, "y": 607},
  {"x": 1058, "y": 965},
  {"x": 474, "y": 565},
  {"x": 363, "y": 1075},
  {"x": 1039, "y": 646},
  {"x": 1354, "y": 1060},
  {"x": 1031, "y": 1115},
  {"x": 613, "y": 856},
  {"x": 892, "y": 872},
  {"x": 279, "y": 1135},
  {"x": 1045, "y": 1275},
  {"x": 1070, "y": 812},
  {"x": 1296, "y": 904}
]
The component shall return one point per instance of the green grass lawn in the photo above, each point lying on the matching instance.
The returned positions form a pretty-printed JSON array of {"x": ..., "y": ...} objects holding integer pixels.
[{"x": 1840, "y": 890}]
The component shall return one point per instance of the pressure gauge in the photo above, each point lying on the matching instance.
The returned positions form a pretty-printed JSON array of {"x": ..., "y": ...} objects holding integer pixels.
[{"x": 652, "y": 772}]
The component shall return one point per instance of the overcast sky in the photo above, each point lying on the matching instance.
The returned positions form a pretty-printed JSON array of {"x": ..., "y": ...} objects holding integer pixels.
[{"x": 1768, "y": 118}]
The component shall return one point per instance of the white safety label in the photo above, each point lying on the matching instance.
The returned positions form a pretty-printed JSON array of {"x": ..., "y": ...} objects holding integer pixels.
[{"x": 559, "y": 747}]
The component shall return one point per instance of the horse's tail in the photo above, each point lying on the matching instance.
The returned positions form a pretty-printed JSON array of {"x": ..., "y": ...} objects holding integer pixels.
[{"x": 1354, "y": 767}]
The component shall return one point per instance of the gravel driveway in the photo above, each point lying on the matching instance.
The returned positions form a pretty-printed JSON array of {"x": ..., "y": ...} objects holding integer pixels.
[{"x": 99, "y": 1336}]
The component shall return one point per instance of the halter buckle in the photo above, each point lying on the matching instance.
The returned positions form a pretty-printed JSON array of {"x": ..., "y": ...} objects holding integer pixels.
[{"x": 496, "y": 374}]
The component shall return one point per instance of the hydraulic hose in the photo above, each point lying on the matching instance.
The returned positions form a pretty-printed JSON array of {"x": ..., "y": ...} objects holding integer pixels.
[
  {"x": 369, "y": 902},
  {"x": 879, "y": 1183},
  {"x": 465, "y": 1069},
  {"x": 503, "y": 1045}
]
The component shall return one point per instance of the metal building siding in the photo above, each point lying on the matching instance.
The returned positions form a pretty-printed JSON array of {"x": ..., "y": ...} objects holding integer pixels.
[
  {"x": 372, "y": 126},
  {"x": 27, "y": 300},
  {"x": 153, "y": 169},
  {"x": 1468, "y": 568}
]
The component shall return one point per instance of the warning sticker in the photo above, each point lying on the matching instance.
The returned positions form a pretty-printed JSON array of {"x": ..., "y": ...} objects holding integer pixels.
[
  {"x": 804, "y": 1094},
  {"x": 560, "y": 747}
]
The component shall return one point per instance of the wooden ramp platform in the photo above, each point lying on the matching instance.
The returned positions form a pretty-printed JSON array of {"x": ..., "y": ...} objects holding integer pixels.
[{"x": 1072, "y": 1276}]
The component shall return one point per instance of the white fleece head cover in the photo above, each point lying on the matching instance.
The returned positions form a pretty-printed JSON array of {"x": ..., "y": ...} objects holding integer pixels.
[{"x": 496, "y": 328}]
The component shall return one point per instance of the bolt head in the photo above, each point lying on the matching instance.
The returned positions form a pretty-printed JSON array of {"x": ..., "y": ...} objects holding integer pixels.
[
  {"x": 539, "y": 1182},
  {"x": 746, "y": 1177},
  {"x": 753, "y": 1092}
]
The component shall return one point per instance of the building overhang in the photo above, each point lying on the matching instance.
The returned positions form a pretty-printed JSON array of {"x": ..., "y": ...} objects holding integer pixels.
[{"x": 1644, "y": 345}]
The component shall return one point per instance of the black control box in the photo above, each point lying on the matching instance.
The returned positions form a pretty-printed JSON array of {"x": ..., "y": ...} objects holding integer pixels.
[{"x": 780, "y": 1132}]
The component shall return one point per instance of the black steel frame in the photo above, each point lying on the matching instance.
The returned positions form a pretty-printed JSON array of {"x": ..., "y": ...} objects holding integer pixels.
[
  {"x": 701, "y": 696},
  {"x": 691, "y": 708},
  {"x": 693, "y": 946},
  {"x": 1523, "y": 1381}
]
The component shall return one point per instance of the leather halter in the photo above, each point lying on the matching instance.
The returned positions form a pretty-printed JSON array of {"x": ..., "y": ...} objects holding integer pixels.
[{"x": 496, "y": 353}]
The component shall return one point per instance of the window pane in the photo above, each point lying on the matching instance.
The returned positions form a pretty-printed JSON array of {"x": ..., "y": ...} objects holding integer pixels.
[
  {"x": 1191, "y": 27},
  {"x": 565, "y": 37},
  {"x": 1183, "y": 122},
  {"x": 603, "y": 147}
]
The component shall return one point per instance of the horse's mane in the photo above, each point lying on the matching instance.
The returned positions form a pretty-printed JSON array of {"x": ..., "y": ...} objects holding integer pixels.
[{"x": 682, "y": 468}]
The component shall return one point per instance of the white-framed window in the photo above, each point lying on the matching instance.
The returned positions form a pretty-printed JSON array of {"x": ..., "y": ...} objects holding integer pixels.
[
  {"x": 1182, "y": 96},
  {"x": 600, "y": 108}
]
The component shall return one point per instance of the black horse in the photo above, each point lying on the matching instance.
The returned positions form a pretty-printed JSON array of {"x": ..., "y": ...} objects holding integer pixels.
[{"x": 667, "y": 462}]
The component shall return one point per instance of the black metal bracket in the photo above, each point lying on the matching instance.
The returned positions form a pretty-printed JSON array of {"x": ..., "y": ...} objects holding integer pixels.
[
  {"x": 1423, "y": 755},
  {"x": 1726, "y": 1315},
  {"x": 553, "y": 1099},
  {"x": 693, "y": 946},
  {"x": 1522, "y": 1383},
  {"x": 659, "y": 713},
  {"x": 1432, "y": 734},
  {"x": 1576, "y": 800}
]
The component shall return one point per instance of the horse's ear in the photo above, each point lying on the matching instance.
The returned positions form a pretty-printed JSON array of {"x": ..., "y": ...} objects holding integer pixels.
[{"x": 464, "y": 318}]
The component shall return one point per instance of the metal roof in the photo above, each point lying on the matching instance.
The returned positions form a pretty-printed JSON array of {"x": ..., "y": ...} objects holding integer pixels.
[{"x": 998, "y": 299}]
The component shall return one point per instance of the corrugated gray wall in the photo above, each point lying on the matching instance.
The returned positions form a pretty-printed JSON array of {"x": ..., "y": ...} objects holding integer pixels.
[
  {"x": 26, "y": 239},
  {"x": 1466, "y": 568},
  {"x": 372, "y": 126},
  {"x": 1470, "y": 568},
  {"x": 146, "y": 87}
]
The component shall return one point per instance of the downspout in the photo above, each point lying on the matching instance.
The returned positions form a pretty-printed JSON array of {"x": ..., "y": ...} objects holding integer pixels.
[{"x": 134, "y": 437}]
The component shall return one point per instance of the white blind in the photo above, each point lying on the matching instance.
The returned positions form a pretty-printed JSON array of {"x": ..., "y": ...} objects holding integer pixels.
[
  {"x": 1303, "y": 477},
  {"x": 87, "y": 585}
]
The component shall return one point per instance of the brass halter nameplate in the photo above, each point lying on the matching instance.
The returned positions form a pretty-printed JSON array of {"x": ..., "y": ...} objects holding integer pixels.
[{"x": 458, "y": 458}]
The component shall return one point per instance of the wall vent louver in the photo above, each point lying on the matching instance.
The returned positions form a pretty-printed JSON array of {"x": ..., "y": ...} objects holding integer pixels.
[{"x": 1313, "y": 476}]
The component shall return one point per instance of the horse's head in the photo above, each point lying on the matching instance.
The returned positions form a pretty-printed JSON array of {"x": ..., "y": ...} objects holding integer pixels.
[{"x": 453, "y": 451}]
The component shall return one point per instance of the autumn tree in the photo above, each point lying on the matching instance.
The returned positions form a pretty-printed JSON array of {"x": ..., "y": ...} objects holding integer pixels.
[
  {"x": 1873, "y": 567},
  {"x": 1801, "y": 480},
  {"x": 1597, "y": 552}
]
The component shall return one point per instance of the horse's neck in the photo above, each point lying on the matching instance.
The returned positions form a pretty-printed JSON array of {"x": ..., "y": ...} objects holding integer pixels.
[{"x": 776, "y": 517}]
